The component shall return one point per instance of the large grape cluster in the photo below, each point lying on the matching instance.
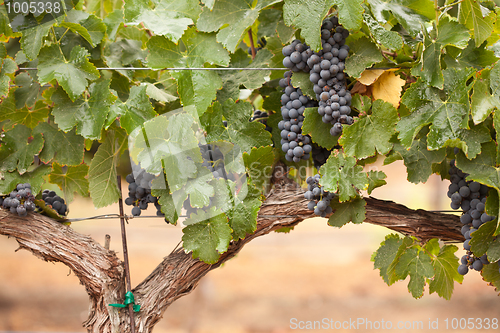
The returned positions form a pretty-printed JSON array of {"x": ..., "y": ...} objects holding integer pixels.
[
  {"x": 20, "y": 200},
  {"x": 139, "y": 191},
  {"x": 58, "y": 204},
  {"x": 319, "y": 198},
  {"x": 470, "y": 196},
  {"x": 296, "y": 145},
  {"x": 326, "y": 72}
]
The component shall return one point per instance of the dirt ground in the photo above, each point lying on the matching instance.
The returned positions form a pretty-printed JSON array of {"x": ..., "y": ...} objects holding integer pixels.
[{"x": 315, "y": 272}]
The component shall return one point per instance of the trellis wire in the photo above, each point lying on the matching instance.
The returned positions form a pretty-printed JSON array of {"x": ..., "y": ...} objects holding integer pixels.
[
  {"x": 128, "y": 217},
  {"x": 194, "y": 69}
]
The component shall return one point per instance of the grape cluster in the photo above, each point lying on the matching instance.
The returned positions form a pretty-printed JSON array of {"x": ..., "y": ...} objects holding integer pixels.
[
  {"x": 213, "y": 160},
  {"x": 296, "y": 145},
  {"x": 20, "y": 200},
  {"x": 297, "y": 55},
  {"x": 51, "y": 198},
  {"x": 326, "y": 72},
  {"x": 319, "y": 198},
  {"x": 261, "y": 117},
  {"x": 260, "y": 45},
  {"x": 470, "y": 196},
  {"x": 139, "y": 191},
  {"x": 320, "y": 155}
]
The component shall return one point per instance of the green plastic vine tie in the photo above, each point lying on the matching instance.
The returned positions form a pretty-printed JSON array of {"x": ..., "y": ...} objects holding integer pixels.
[{"x": 129, "y": 299}]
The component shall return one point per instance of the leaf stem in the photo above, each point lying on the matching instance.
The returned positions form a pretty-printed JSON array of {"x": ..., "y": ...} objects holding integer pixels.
[
  {"x": 59, "y": 41},
  {"x": 436, "y": 9},
  {"x": 252, "y": 47},
  {"x": 450, "y": 5}
]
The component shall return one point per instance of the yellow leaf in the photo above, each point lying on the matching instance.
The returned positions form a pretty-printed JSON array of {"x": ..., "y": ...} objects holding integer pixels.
[
  {"x": 388, "y": 88},
  {"x": 370, "y": 76}
]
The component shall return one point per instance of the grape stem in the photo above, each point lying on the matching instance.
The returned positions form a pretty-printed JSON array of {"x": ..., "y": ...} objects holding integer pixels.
[{"x": 252, "y": 47}]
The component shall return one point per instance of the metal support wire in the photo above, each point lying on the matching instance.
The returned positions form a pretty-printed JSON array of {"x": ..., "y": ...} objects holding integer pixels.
[{"x": 194, "y": 69}]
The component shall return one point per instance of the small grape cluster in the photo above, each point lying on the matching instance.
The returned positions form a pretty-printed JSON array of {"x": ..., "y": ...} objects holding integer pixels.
[
  {"x": 297, "y": 55},
  {"x": 296, "y": 145},
  {"x": 56, "y": 202},
  {"x": 261, "y": 117},
  {"x": 470, "y": 196},
  {"x": 139, "y": 191},
  {"x": 320, "y": 199},
  {"x": 213, "y": 160},
  {"x": 320, "y": 155},
  {"x": 260, "y": 45},
  {"x": 20, "y": 200}
]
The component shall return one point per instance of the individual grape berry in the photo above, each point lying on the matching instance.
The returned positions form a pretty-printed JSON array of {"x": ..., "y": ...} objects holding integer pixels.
[
  {"x": 463, "y": 269},
  {"x": 136, "y": 211}
]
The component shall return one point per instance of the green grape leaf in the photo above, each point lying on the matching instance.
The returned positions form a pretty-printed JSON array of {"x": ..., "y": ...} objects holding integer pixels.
[
  {"x": 113, "y": 22},
  {"x": 351, "y": 211},
  {"x": 9, "y": 66},
  {"x": 482, "y": 238},
  {"x": 27, "y": 92},
  {"x": 248, "y": 78},
  {"x": 301, "y": 80},
  {"x": 470, "y": 14},
  {"x": 364, "y": 53},
  {"x": 243, "y": 216},
  {"x": 135, "y": 111},
  {"x": 340, "y": 173},
  {"x": 239, "y": 130},
  {"x": 418, "y": 265},
  {"x": 197, "y": 88},
  {"x": 350, "y": 13},
  {"x": 70, "y": 181},
  {"x": 233, "y": 18},
  {"x": 372, "y": 133},
  {"x": 407, "y": 243},
  {"x": 445, "y": 272},
  {"x": 317, "y": 129},
  {"x": 486, "y": 94},
  {"x": 385, "y": 255},
  {"x": 411, "y": 14},
  {"x": 471, "y": 56},
  {"x": 102, "y": 8},
  {"x": 32, "y": 39},
  {"x": 259, "y": 163},
  {"x": 449, "y": 33},
  {"x": 89, "y": 27},
  {"x": 18, "y": 149},
  {"x": 103, "y": 186},
  {"x": 71, "y": 74},
  {"x": 160, "y": 189},
  {"x": 88, "y": 114},
  {"x": 473, "y": 139},
  {"x": 494, "y": 251},
  {"x": 36, "y": 178},
  {"x": 29, "y": 117},
  {"x": 78, "y": 29},
  {"x": 209, "y": 238},
  {"x": 491, "y": 274},
  {"x": 178, "y": 14},
  {"x": 65, "y": 148},
  {"x": 389, "y": 39},
  {"x": 308, "y": 17},
  {"x": 375, "y": 179},
  {"x": 418, "y": 160},
  {"x": 172, "y": 142},
  {"x": 446, "y": 112},
  {"x": 161, "y": 95}
]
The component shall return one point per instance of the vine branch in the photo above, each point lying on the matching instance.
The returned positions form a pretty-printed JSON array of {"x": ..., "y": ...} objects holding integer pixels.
[{"x": 102, "y": 273}]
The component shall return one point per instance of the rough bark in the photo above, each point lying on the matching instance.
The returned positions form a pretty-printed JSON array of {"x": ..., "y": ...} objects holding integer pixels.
[{"x": 102, "y": 274}]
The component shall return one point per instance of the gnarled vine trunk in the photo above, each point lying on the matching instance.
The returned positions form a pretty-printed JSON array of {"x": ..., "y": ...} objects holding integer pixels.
[{"x": 102, "y": 273}]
